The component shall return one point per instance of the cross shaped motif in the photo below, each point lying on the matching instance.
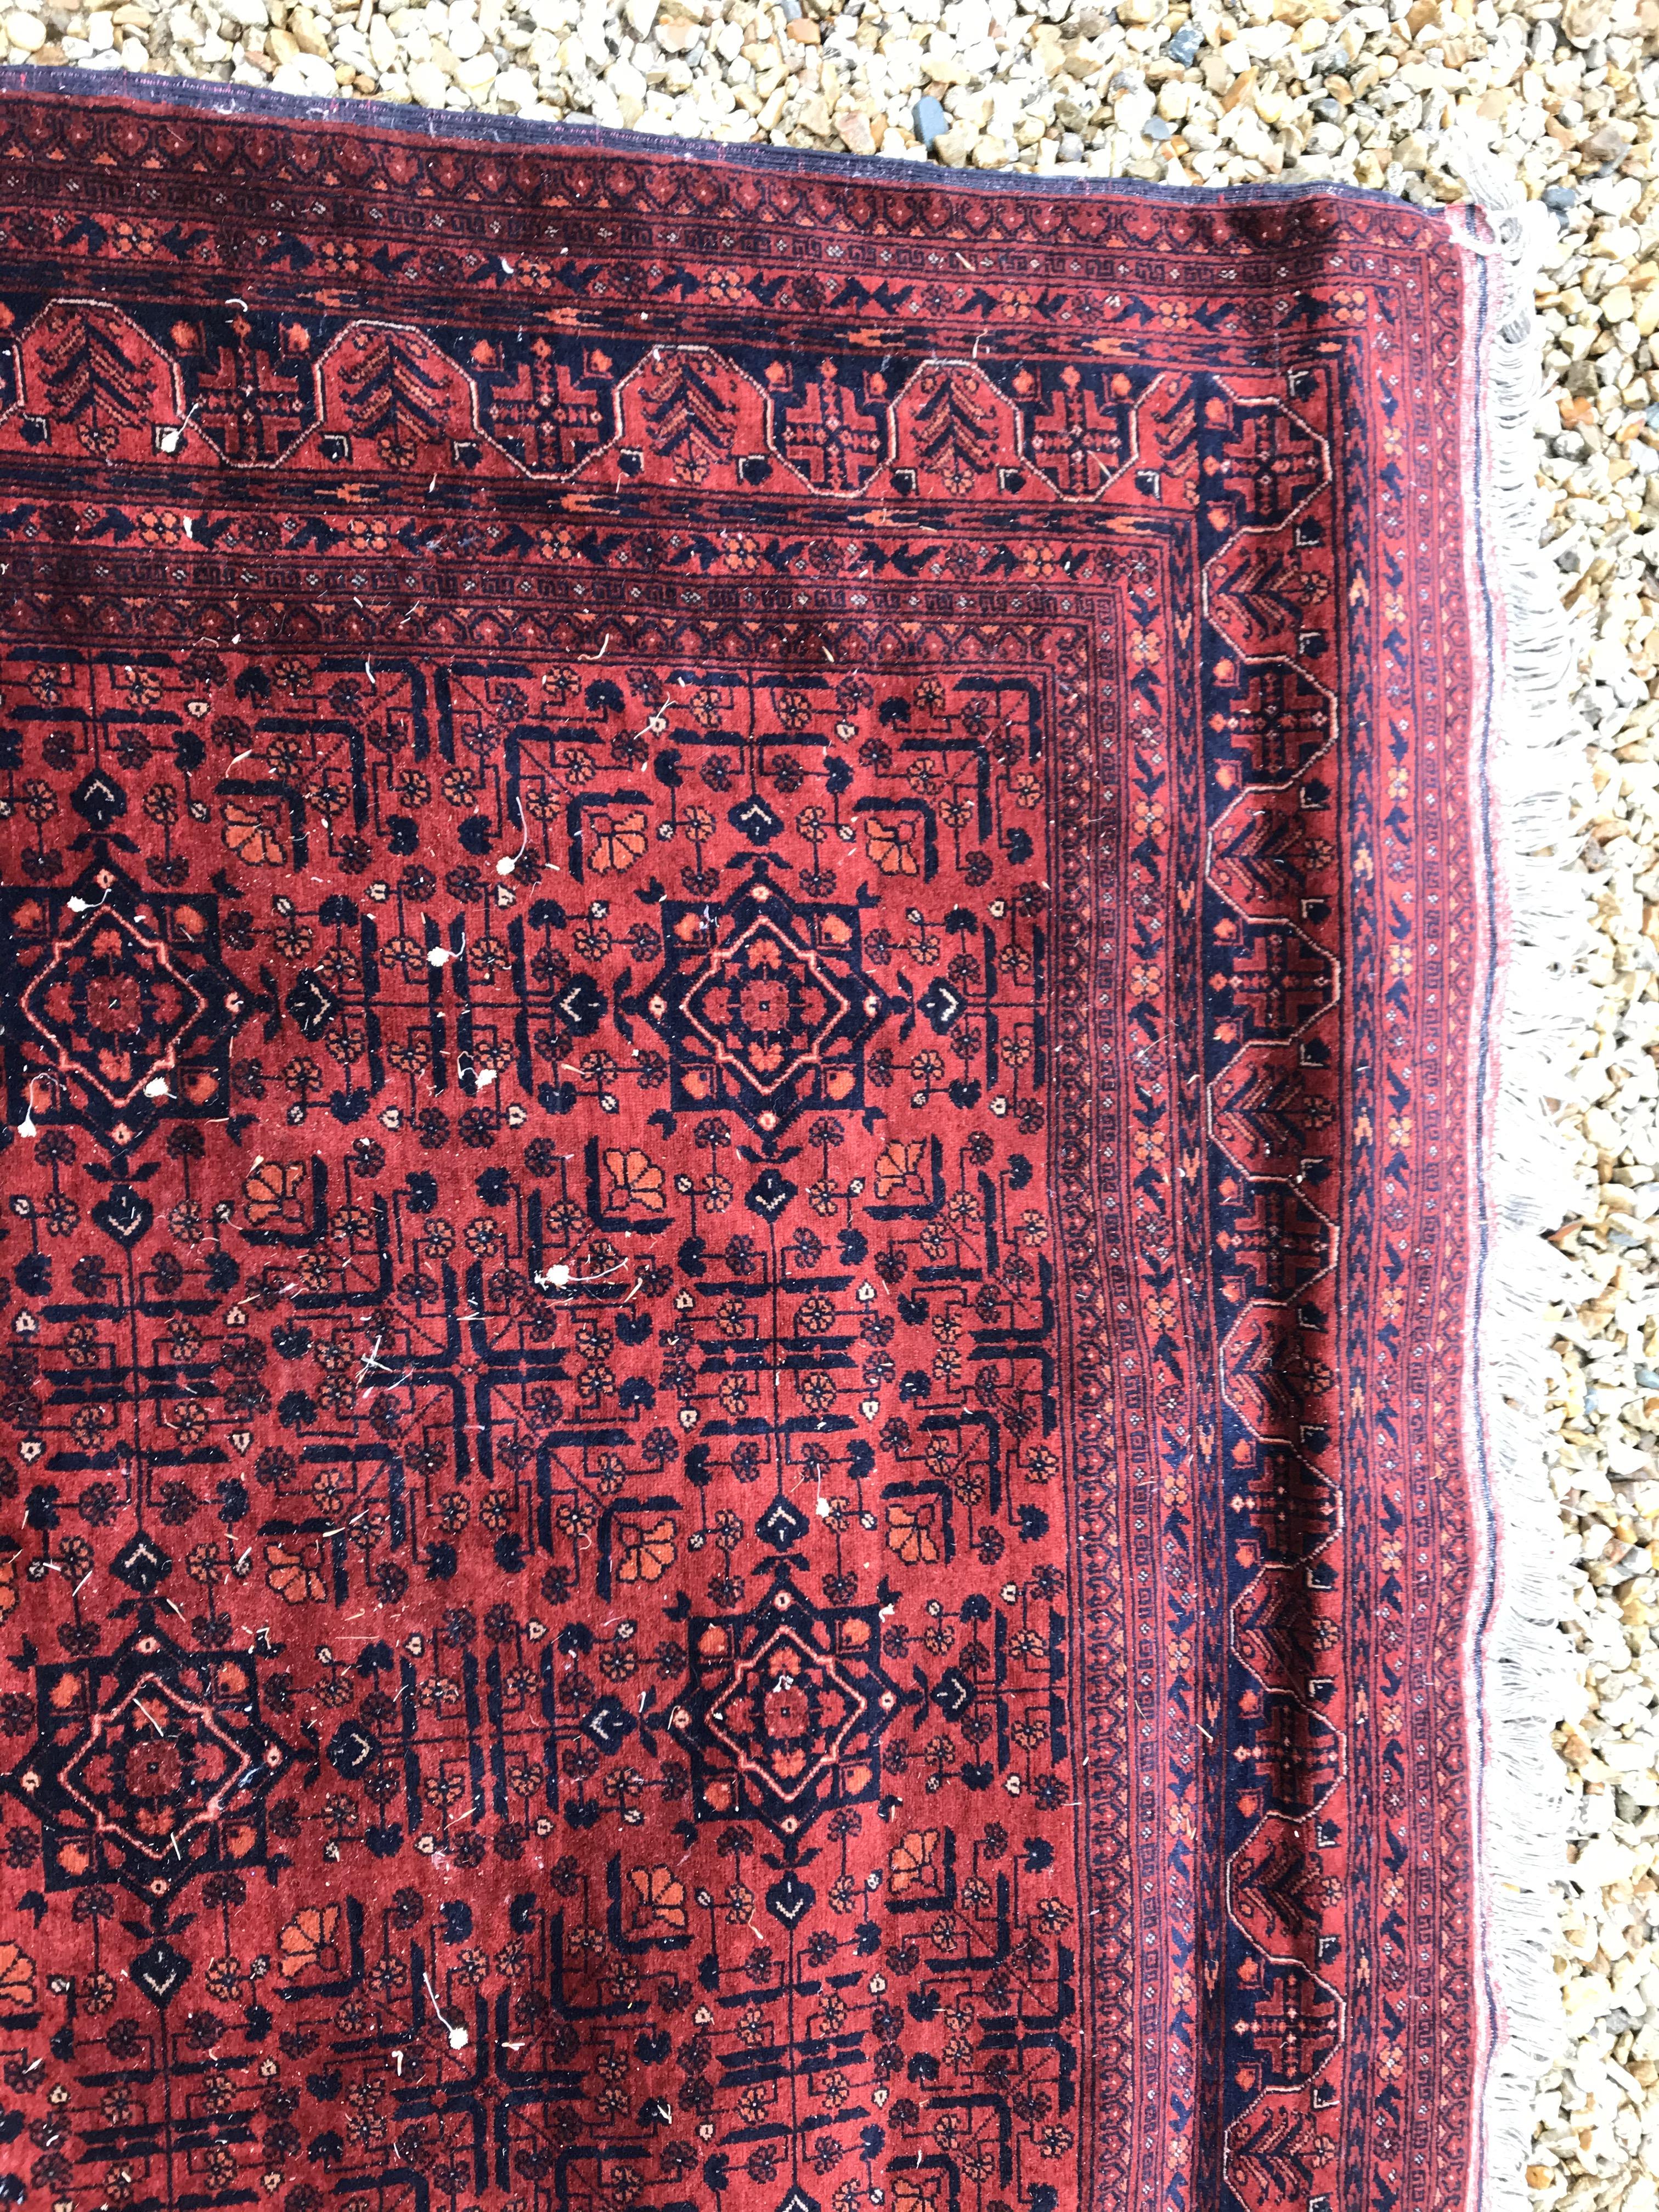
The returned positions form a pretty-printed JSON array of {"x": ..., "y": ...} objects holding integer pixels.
[{"x": 821, "y": 435}]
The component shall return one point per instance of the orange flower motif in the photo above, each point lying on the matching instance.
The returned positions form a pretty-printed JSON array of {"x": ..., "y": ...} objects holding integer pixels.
[
  {"x": 662, "y": 1899},
  {"x": 271, "y": 1190},
  {"x": 251, "y": 833},
  {"x": 616, "y": 841},
  {"x": 910, "y": 1862},
  {"x": 635, "y": 1180},
  {"x": 306, "y": 1937},
  {"x": 16, "y": 1979},
  {"x": 910, "y": 1533},
  {"x": 898, "y": 1170},
  {"x": 645, "y": 1550},
  {"x": 292, "y": 1578},
  {"x": 892, "y": 842}
]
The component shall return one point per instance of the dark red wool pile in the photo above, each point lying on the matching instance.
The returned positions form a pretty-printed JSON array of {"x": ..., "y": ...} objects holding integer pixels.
[{"x": 741, "y": 957}]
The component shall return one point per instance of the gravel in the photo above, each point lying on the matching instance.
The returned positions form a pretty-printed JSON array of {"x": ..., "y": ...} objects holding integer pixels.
[
  {"x": 1223, "y": 92},
  {"x": 1200, "y": 91}
]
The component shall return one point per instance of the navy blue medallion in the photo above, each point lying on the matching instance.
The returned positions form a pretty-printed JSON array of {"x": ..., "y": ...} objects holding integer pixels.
[
  {"x": 123, "y": 1013},
  {"x": 763, "y": 1006},
  {"x": 784, "y": 1711},
  {"x": 150, "y": 1767}
]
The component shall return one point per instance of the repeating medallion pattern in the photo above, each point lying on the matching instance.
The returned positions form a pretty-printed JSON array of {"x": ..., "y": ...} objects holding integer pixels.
[{"x": 738, "y": 956}]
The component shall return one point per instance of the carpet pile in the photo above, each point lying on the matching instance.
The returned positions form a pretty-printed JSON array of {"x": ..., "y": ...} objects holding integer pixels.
[{"x": 751, "y": 926}]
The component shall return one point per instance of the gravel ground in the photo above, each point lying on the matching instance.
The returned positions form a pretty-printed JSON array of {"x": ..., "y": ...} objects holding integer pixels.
[{"x": 1223, "y": 92}]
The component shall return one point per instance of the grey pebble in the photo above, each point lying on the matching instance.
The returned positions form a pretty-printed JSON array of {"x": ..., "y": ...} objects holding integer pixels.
[
  {"x": 1185, "y": 44},
  {"x": 931, "y": 121}
]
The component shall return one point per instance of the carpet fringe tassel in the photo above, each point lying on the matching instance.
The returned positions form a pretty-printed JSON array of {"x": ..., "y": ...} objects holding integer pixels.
[{"x": 1519, "y": 1650}]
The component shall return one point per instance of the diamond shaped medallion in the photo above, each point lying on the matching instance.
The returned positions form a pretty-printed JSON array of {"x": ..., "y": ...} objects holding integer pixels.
[
  {"x": 784, "y": 1711},
  {"x": 763, "y": 1006}
]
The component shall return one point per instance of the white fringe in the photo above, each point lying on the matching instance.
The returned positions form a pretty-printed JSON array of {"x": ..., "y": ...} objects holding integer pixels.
[{"x": 1522, "y": 1659}]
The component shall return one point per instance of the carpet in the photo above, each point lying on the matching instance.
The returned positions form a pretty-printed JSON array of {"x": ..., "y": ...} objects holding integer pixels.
[{"x": 752, "y": 923}]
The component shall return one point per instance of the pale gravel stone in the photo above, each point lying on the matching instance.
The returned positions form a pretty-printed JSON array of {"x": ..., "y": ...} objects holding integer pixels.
[
  {"x": 306, "y": 73},
  {"x": 427, "y": 84}
]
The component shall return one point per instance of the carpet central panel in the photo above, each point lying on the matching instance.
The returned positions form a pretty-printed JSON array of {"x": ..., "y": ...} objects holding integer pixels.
[{"x": 744, "y": 934}]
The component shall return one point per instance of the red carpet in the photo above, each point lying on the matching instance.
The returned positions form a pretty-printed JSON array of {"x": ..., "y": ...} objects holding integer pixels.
[{"x": 747, "y": 951}]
